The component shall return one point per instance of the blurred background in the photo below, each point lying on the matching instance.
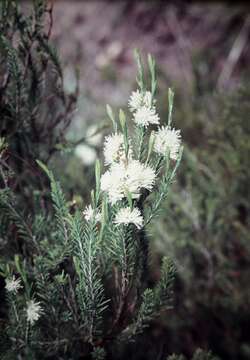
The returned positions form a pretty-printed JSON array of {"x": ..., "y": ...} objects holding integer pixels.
[{"x": 202, "y": 50}]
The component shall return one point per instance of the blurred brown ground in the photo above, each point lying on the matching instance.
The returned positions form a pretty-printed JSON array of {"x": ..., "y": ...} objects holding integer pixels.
[{"x": 99, "y": 37}]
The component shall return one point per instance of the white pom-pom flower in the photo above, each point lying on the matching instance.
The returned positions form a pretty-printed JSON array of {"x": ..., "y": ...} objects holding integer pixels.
[
  {"x": 145, "y": 116},
  {"x": 127, "y": 177},
  {"x": 167, "y": 139},
  {"x": 13, "y": 285},
  {"x": 34, "y": 311},
  {"x": 138, "y": 99},
  {"x": 90, "y": 214},
  {"x": 135, "y": 100},
  {"x": 127, "y": 216},
  {"x": 114, "y": 149}
]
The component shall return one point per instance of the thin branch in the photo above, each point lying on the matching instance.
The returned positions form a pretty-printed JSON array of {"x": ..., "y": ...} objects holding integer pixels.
[{"x": 234, "y": 55}]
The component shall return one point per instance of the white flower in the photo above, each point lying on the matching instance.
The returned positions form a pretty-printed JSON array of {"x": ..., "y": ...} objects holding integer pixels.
[
  {"x": 138, "y": 99},
  {"x": 86, "y": 154},
  {"x": 135, "y": 100},
  {"x": 167, "y": 139},
  {"x": 127, "y": 216},
  {"x": 127, "y": 177},
  {"x": 13, "y": 285},
  {"x": 138, "y": 175},
  {"x": 111, "y": 182},
  {"x": 145, "y": 116},
  {"x": 114, "y": 149},
  {"x": 34, "y": 311},
  {"x": 142, "y": 104},
  {"x": 90, "y": 214}
]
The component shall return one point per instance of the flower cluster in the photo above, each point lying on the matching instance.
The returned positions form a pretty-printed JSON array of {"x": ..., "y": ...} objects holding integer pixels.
[
  {"x": 142, "y": 105},
  {"x": 114, "y": 149},
  {"x": 13, "y": 285},
  {"x": 168, "y": 140},
  {"x": 34, "y": 311},
  {"x": 139, "y": 99},
  {"x": 145, "y": 116},
  {"x": 127, "y": 177},
  {"x": 91, "y": 214},
  {"x": 126, "y": 216}
]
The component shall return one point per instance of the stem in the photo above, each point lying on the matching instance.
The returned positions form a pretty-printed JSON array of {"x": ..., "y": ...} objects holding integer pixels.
[
  {"x": 143, "y": 248},
  {"x": 15, "y": 311},
  {"x": 27, "y": 332},
  {"x": 141, "y": 141}
]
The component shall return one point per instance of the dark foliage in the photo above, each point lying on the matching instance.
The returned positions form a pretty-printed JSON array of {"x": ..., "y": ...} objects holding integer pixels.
[{"x": 35, "y": 110}]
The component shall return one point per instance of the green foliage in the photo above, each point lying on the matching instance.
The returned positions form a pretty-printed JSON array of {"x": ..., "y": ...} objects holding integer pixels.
[
  {"x": 90, "y": 291},
  {"x": 207, "y": 222},
  {"x": 162, "y": 192},
  {"x": 198, "y": 355},
  {"x": 60, "y": 206},
  {"x": 35, "y": 110},
  {"x": 98, "y": 353},
  {"x": 153, "y": 300},
  {"x": 86, "y": 276}
]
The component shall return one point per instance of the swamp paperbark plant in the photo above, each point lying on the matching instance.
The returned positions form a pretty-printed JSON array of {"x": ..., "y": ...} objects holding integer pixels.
[
  {"x": 85, "y": 273},
  {"x": 35, "y": 109}
]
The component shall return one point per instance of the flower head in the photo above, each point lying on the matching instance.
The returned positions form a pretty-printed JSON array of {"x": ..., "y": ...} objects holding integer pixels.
[
  {"x": 34, "y": 311},
  {"x": 145, "y": 116},
  {"x": 114, "y": 149},
  {"x": 167, "y": 139},
  {"x": 13, "y": 285},
  {"x": 127, "y": 216},
  {"x": 135, "y": 100},
  {"x": 127, "y": 177},
  {"x": 138, "y": 99},
  {"x": 90, "y": 214}
]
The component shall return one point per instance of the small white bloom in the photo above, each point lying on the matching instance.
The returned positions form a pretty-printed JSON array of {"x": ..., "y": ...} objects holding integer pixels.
[
  {"x": 138, "y": 99},
  {"x": 34, "y": 311},
  {"x": 13, "y": 285},
  {"x": 135, "y": 100},
  {"x": 114, "y": 149},
  {"x": 111, "y": 182},
  {"x": 127, "y": 177},
  {"x": 127, "y": 216},
  {"x": 138, "y": 175},
  {"x": 90, "y": 214},
  {"x": 86, "y": 154},
  {"x": 145, "y": 116},
  {"x": 167, "y": 139}
]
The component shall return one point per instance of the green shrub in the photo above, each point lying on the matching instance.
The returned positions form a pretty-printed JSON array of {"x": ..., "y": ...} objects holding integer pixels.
[
  {"x": 77, "y": 281},
  {"x": 207, "y": 229},
  {"x": 35, "y": 110}
]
